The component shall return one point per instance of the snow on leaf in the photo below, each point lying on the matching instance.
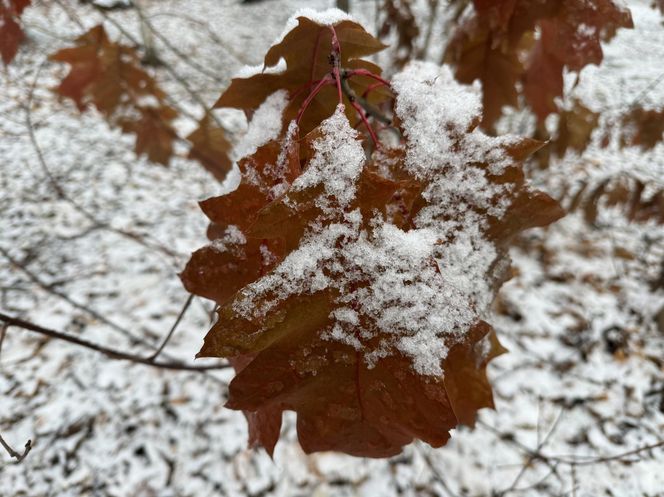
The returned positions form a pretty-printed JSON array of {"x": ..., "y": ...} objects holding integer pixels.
[
  {"x": 366, "y": 313},
  {"x": 219, "y": 270}
]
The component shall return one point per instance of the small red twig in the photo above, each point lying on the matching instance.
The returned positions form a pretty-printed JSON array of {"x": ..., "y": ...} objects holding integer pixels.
[
  {"x": 302, "y": 88},
  {"x": 336, "y": 62},
  {"x": 363, "y": 116},
  {"x": 339, "y": 78},
  {"x": 315, "y": 55},
  {"x": 368, "y": 74},
  {"x": 371, "y": 88},
  {"x": 327, "y": 80}
]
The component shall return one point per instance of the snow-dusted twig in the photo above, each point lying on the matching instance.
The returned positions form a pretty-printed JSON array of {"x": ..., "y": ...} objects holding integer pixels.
[
  {"x": 435, "y": 471},
  {"x": 16, "y": 455},
  {"x": 173, "y": 328}
]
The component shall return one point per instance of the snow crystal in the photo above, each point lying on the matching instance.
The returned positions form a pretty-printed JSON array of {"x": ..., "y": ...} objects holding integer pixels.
[
  {"x": 248, "y": 71},
  {"x": 337, "y": 163},
  {"x": 265, "y": 124},
  {"x": 231, "y": 239},
  {"x": 263, "y": 127},
  {"x": 328, "y": 17},
  {"x": 436, "y": 113},
  {"x": 231, "y": 181}
]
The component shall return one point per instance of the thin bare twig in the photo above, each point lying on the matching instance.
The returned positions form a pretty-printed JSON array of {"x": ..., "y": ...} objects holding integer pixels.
[
  {"x": 124, "y": 331},
  {"x": 77, "y": 305},
  {"x": 553, "y": 461},
  {"x": 172, "y": 330},
  {"x": 532, "y": 456},
  {"x": 16, "y": 455},
  {"x": 637, "y": 100},
  {"x": 108, "y": 352},
  {"x": 3, "y": 333},
  {"x": 186, "y": 59},
  {"x": 510, "y": 439},
  {"x": 70, "y": 13},
  {"x": 211, "y": 34},
  {"x": 438, "y": 476},
  {"x": 582, "y": 461}
]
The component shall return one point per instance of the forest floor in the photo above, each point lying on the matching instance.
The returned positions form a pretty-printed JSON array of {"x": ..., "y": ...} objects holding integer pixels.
[{"x": 579, "y": 396}]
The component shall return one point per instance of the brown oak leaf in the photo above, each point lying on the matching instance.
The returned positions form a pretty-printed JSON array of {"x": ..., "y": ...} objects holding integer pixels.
[
  {"x": 110, "y": 76},
  {"x": 210, "y": 147},
  {"x": 547, "y": 36},
  {"x": 497, "y": 67},
  {"x": 575, "y": 128},
  {"x": 642, "y": 127},
  {"x": 306, "y": 53},
  {"x": 571, "y": 39},
  {"x": 11, "y": 34}
]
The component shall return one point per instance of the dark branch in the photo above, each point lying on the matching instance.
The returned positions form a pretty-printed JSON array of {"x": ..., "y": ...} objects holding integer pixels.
[
  {"x": 3, "y": 333},
  {"x": 172, "y": 330},
  {"x": 119, "y": 5},
  {"x": 108, "y": 352},
  {"x": 370, "y": 109},
  {"x": 16, "y": 455},
  {"x": 580, "y": 461},
  {"x": 77, "y": 305}
]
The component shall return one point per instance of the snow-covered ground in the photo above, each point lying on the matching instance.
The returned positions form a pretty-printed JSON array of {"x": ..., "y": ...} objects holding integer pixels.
[{"x": 581, "y": 390}]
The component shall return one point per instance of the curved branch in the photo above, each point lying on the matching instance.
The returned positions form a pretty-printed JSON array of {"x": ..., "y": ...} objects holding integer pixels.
[
  {"x": 108, "y": 352},
  {"x": 173, "y": 328},
  {"x": 16, "y": 455}
]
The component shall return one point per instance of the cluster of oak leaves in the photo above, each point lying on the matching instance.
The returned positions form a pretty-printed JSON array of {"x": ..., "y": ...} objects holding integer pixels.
[
  {"x": 342, "y": 267},
  {"x": 355, "y": 261}
]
